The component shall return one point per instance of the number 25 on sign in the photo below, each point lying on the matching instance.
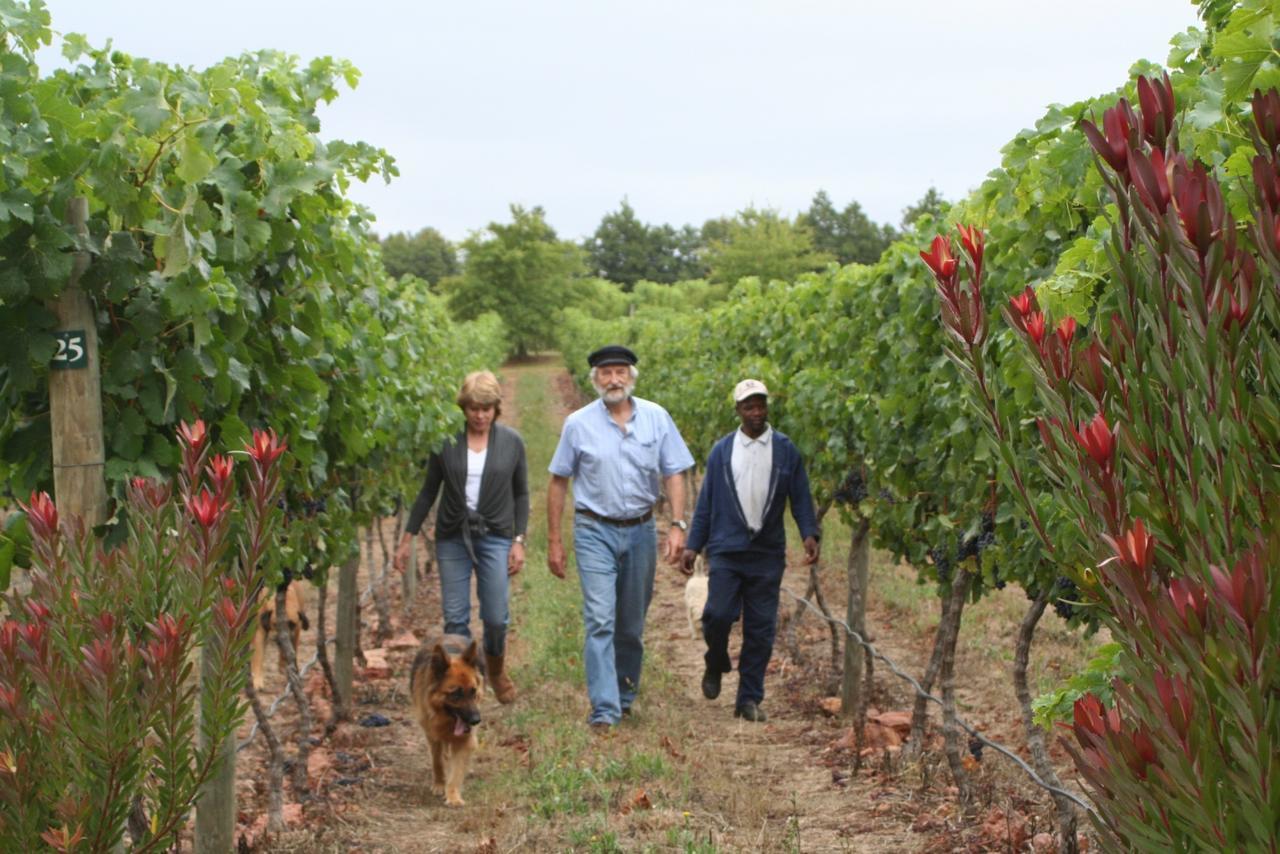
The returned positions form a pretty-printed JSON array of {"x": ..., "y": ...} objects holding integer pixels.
[{"x": 71, "y": 352}]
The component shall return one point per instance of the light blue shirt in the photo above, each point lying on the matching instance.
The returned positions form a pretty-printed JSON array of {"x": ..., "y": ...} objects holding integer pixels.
[{"x": 619, "y": 473}]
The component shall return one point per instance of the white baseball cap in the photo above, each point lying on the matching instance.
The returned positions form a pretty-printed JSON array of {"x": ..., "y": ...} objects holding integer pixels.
[{"x": 746, "y": 388}]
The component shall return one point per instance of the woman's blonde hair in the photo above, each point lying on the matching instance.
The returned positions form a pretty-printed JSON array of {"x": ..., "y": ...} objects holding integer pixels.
[{"x": 481, "y": 388}]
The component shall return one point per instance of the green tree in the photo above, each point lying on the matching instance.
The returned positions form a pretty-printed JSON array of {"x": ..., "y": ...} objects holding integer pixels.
[
  {"x": 520, "y": 271},
  {"x": 764, "y": 244},
  {"x": 427, "y": 255},
  {"x": 625, "y": 250},
  {"x": 849, "y": 235},
  {"x": 931, "y": 202}
]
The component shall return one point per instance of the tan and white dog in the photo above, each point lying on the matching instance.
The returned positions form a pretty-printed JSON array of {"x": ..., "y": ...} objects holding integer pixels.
[
  {"x": 267, "y": 625},
  {"x": 695, "y": 597}
]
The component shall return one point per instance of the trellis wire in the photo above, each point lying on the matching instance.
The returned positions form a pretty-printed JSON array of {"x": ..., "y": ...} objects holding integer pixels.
[{"x": 920, "y": 692}]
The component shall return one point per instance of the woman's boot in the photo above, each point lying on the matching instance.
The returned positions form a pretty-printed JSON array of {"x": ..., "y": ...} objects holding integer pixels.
[{"x": 503, "y": 688}]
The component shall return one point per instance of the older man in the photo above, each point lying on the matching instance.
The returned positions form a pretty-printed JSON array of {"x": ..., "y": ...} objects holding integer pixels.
[
  {"x": 619, "y": 450},
  {"x": 751, "y": 473}
]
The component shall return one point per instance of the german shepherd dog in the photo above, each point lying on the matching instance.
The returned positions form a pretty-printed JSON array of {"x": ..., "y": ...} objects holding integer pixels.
[
  {"x": 445, "y": 684},
  {"x": 267, "y": 626}
]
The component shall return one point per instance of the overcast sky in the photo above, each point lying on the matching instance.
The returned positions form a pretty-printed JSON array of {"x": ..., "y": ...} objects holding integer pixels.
[{"x": 689, "y": 109}]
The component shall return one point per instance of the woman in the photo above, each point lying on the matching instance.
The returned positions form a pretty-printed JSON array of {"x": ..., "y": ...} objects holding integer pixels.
[{"x": 480, "y": 526}]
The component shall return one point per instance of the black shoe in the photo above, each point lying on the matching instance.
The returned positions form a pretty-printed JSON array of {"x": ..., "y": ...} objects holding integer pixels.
[
  {"x": 711, "y": 683},
  {"x": 626, "y": 711},
  {"x": 751, "y": 712}
]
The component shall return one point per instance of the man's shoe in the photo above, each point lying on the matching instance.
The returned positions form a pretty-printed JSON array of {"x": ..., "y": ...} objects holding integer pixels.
[
  {"x": 711, "y": 683},
  {"x": 751, "y": 712},
  {"x": 601, "y": 728}
]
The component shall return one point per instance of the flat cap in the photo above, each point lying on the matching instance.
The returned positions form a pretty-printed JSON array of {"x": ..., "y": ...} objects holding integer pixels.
[
  {"x": 748, "y": 388},
  {"x": 612, "y": 354}
]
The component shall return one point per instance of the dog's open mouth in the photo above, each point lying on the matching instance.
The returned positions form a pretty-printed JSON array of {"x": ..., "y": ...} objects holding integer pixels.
[{"x": 460, "y": 727}]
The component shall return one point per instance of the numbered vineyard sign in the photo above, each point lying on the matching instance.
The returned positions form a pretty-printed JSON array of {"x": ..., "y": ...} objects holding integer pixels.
[{"x": 72, "y": 350}]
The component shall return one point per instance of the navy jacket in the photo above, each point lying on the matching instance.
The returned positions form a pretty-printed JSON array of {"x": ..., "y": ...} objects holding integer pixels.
[{"x": 719, "y": 525}]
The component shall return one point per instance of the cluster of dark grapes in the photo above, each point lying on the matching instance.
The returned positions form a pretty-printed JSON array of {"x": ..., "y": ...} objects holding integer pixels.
[
  {"x": 306, "y": 508},
  {"x": 853, "y": 490},
  {"x": 975, "y": 747},
  {"x": 969, "y": 548},
  {"x": 1066, "y": 595},
  {"x": 941, "y": 564}
]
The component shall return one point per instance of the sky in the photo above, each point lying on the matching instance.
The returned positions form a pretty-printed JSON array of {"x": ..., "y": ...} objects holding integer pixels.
[{"x": 689, "y": 109}]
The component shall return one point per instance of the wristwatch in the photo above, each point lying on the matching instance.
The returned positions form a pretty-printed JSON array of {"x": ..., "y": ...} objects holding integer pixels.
[
  {"x": 681, "y": 524},
  {"x": 519, "y": 539}
]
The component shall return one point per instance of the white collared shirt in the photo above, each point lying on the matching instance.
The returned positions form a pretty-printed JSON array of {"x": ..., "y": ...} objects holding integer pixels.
[{"x": 752, "y": 464}]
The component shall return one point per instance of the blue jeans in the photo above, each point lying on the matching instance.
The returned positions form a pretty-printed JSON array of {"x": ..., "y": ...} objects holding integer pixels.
[
  {"x": 491, "y": 587},
  {"x": 747, "y": 585},
  {"x": 615, "y": 568}
]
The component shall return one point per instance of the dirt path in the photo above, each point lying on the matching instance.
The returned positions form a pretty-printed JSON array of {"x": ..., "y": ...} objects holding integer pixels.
[{"x": 680, "y": 775}]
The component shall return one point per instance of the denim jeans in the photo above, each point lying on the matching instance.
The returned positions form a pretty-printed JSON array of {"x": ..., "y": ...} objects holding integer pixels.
[
  {"x": 615, "y": 568},
  {"x": 747, "y": 585},
  {"x": 490, "y": 568}
]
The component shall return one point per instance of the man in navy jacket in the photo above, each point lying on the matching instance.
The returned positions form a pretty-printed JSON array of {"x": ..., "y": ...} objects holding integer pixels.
[{"x": 751, "y": 473}]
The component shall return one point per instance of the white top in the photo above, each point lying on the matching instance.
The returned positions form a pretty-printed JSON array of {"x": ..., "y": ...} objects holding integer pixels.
[
  {"x": 475, "y": 468},
  {"x": 752, "y": 464}
]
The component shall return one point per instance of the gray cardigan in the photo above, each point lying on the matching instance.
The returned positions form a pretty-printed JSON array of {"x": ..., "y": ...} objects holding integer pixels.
[{"x": 504, "y": 487}]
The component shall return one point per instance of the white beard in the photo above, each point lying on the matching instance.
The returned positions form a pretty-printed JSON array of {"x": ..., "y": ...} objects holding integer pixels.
[{"x": 613, "y": 396}]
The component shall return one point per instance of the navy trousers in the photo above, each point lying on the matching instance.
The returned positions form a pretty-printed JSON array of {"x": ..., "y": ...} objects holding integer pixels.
[{"x": 743, "y": 584}]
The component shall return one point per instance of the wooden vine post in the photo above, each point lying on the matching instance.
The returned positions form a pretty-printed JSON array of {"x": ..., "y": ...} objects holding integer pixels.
[
  {"x": 75, "y": 394},
  {"x": 344, "y": 655},
  {"x": 852, "y": 699}
]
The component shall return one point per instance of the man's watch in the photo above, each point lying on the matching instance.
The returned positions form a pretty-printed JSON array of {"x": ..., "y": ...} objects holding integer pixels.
[
  {"x": 681, "y": 524},
  {"x": 519, "y": 538}
]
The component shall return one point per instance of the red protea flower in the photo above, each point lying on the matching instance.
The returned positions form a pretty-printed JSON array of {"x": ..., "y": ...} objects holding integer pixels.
[
  {"x": 220, "y": 468},
  {"x": 1267, "y": 182},
  {"x": 227, "y": 612},
  {"x": 265, "y": 447},
  {"x": 1097, "y": 440},
  {"x": 1151, "y": 179},
  {"x": 1136, "y": 548},
  {"x": 1112, "y": 143},
  {"x": 940, "y": 259},
  {"x": 1155, "y": 98},
  {"x": 974, "y": 242},
  {"x": 193, "y": 435},
  {"x": 1066, "y": 331},
  {"x": 42, "y": 514},
  {"x": 1035, "y": 327},
  {"x": 148, "y": 493},
  {"x": 1024, "y": 303},
  {"x": 1198, "y": 199},
  {"x": 1266, "y": 115},
  {"x": 206, "y": 508}
]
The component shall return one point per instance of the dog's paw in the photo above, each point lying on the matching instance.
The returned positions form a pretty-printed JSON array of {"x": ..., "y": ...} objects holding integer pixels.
[{"x": 455, "y": 800}]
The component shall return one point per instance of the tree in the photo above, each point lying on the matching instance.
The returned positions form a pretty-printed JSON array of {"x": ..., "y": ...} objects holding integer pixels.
[
  {"x": 763, "y": 244},
  {"x": 849, "y": 235},
  {"x": 427, "y": 255},
  {"x": 625, "y": 250},
  {"x": 522, "y": 272},
  {"x": 931, "y": 202}
]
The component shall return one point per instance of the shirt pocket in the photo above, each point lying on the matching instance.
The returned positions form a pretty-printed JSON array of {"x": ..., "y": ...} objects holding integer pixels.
[{"x": 642, "y": 452}]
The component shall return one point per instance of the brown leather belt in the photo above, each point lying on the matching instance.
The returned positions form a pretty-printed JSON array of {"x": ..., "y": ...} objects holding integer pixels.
[{"x": 621, "y": 523}]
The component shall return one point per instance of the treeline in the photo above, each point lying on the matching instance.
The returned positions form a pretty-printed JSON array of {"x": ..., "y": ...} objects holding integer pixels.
[{"x": 523, "y": 271}]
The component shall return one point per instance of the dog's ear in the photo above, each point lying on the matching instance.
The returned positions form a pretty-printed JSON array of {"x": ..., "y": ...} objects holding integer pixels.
[
  {"x": 471, "y": 654},
  {"x": 439, "y": 661},
  {"x": 302, "y": 618}
]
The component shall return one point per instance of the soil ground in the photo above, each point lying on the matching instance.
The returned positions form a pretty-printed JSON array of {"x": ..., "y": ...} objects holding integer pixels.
[{"x": 681, "y": 774}]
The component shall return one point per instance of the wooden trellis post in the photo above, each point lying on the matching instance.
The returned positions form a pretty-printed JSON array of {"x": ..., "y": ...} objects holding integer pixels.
[{"x": 75, "y": 395}]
